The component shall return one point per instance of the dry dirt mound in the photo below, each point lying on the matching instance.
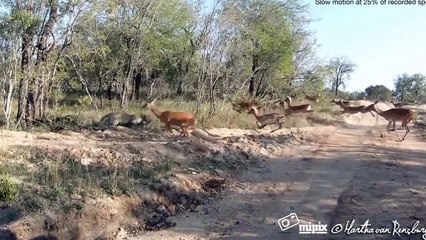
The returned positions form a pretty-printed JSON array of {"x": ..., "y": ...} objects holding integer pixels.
[
  {"x": 345, "y": 172},
  {"x": 85, "y": 185}
]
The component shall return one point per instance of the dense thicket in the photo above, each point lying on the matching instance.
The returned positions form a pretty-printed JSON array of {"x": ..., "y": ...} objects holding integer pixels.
[{"x": 95, "y": 51}]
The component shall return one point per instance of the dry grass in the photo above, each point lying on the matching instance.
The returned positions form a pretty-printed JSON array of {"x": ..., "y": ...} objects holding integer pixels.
[
  {"x": 224, "y": 116},
  {"x": 54, "y": 179}
]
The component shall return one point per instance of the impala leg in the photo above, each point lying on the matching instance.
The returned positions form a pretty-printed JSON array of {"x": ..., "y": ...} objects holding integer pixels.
[
  {"x": 260, "y": 126},
  {"x": 183, "y": 132},
  {"x": 276, "y": 129},
  {"x": 397, "y": 134},
  {"x": 407, "y": 130},
  {"x": 169, "y": 129},
  {"x": 388, "y": 128},
  {"x": 391, "y": 129},
  {"x": 279, "y": 124},
  {"x": 394, "y": 129}
]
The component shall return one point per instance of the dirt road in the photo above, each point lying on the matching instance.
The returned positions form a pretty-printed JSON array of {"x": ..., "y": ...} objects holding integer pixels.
[{"x": 342, "y": 174}]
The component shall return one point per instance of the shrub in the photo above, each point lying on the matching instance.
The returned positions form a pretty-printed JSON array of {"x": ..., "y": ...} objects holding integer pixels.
[{"x": 8, "y": 189}]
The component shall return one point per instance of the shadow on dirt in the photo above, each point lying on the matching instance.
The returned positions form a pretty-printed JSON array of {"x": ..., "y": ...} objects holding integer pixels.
[
  {"x": 6, "y": 234},
  {"x": 388, "y": 185},
  {"x": 63, "y": 176},
  {"x": 9, "y": 235},
  {"x": 9, "y": 214},
  {"x": 339, "y": 122},
  {"x": 371, "y": 182},
  {"x": 45, "y": 237}
]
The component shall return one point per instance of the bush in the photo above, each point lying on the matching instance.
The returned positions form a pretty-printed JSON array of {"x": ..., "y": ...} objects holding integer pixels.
[{"x": 8, "y": 189}]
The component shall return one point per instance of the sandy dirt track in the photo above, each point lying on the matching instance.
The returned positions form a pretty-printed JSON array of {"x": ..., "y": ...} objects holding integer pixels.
[
  {"x": 330, "y": 172},
  {"x": 343, "y": 173}
]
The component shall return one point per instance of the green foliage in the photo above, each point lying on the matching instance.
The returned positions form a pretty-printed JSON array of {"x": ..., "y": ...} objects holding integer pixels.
[
  {"x": 166, "y": 48},
  {"x": 25, "y": 18},
  {"x": 168, "y": 43},
  {"x": 16, "y": 21},
  {"x": 378, "y": 92},
  {"x": 410, "y": 87},
  {"x": 8, "y": 189},
  {"x": 265, "y": 39},
  {"x": 84, "y": 100},
  {"x": 312, "y": 82}
]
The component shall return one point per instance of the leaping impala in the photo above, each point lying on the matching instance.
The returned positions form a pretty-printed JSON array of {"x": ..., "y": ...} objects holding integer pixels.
[
  {"x": 346, "y": 102},
  {"x": 395, "y": 115},
  {"x": 352, "y": 110},
  {"x": 397, "y": 105},
  {"x": 311, "y": 98},
  {"x": 304, "y": 108},
  {"x": 185, "y": 120},
  {"x": 244, "y": 105},
  {"x": 268, "y": 119}
]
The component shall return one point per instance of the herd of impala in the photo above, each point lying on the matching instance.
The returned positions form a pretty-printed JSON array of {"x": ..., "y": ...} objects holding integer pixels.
[{"x": 187, "y": 121}]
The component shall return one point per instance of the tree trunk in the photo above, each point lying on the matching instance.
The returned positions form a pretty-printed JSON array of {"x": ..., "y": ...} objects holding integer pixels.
[
  {"x": 109, "y": 91},
  {"x": 101, "y": 98},
  {"x": 41, "y": 99},
  {"x": 260, "y": 89},
  {"x": 137, "y": 85},
  {"x": 132, "y": 88},
  {"x": 125, "y": 89},
  {"x": 128, "y": 73},
  {"x": 8, "y": 98},
  {"x": 336, "y": 85},
  {"x": 100, "y": 91},
  {"x": 179, "y": 90},
  {"x": 335, "y": 91},
  {"x": 115, "y": 92},
  {"x": 45, "y": 102},
  {"x": 27, "y": 48},
  {"x": 43, "y": 51},
  {"x": 253, "y": 76},
  {"x": 30, "y": 107}
]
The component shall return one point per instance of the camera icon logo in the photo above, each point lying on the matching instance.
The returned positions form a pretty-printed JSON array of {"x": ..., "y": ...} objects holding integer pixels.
[{"x": 288, "y": 221}]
